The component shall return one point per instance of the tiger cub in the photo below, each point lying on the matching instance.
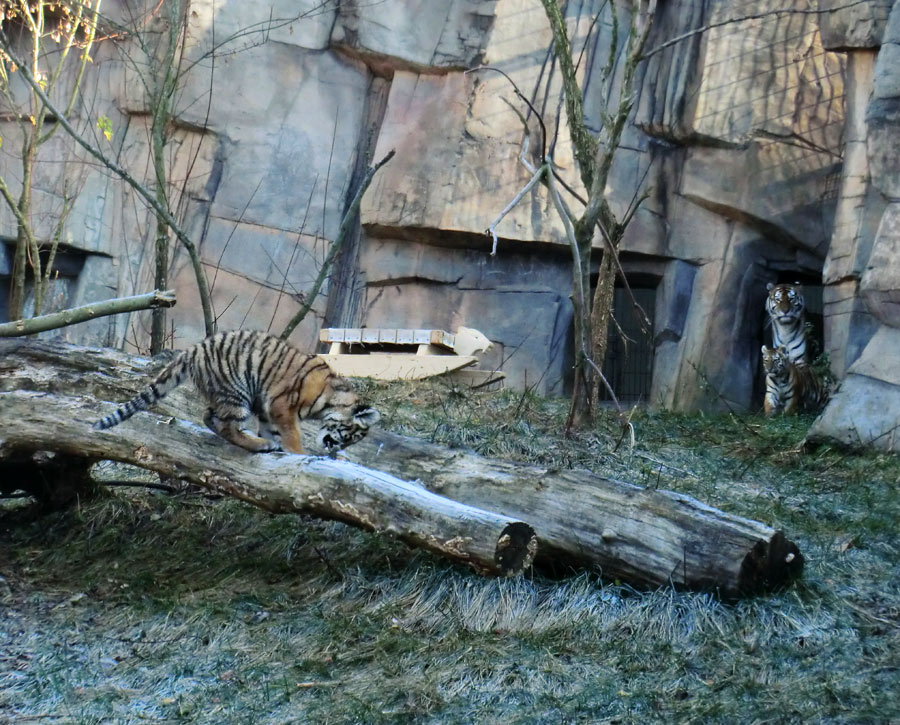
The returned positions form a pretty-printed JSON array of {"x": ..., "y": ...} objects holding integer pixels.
[
  {"x": 786, "y": 308},
  {"x": 790, "y": 387},
  {"x": 245, "y": 374}
]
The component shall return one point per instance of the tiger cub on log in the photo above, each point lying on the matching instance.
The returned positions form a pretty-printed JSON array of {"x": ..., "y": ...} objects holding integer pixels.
[
  {"x": 786, "y": 308},
  {"x": 790, "y": 387},
  {"x": 245, "y": 374}
]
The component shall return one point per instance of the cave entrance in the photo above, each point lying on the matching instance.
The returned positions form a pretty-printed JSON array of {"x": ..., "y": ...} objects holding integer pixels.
[{"x": 811, "y": 285}]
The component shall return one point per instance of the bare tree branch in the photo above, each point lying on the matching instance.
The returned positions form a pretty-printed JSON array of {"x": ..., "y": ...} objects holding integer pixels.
[
  {"x": 342, "y": 234},
  {"x": 492, "y": 229},
  {"x": 147, "y": 195},
  {"x": 87, "y": 312},
  {"x": 525, "y": 100}
]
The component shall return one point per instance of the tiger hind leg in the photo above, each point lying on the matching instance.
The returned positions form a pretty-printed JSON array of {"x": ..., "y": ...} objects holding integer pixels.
[{"x": 230, "y": 425}]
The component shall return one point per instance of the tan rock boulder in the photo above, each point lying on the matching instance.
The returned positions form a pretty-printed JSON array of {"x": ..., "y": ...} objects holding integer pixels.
[
  {"x": 853, "y": 25},
  {"x": 864, "y": 412}
]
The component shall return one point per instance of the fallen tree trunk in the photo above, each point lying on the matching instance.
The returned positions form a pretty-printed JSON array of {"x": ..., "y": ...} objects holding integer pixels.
[
  {"x": 645, "y": 537},
  {"x": 46, "y": 405},
  {"x": 648, "y": 538}
]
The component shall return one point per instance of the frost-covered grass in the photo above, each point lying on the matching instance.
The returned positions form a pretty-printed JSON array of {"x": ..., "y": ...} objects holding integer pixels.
[{"x": 142, "y": 606}]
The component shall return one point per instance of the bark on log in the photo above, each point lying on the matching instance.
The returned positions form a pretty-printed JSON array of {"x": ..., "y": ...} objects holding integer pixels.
[
  {"x": 648, "y": 538},
  {"x": 645, "y": 537},
  {"x": 48, "y": 402}
]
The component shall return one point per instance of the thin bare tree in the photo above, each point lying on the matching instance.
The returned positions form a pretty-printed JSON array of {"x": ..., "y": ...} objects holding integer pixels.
[
  {"x": 50, "y": 37},
  {"x": 161, "y": 83},
  {"x": 163, "y": 68},
  {"x": 594, "y": 154},
  {"x": 157, "y": 55}
]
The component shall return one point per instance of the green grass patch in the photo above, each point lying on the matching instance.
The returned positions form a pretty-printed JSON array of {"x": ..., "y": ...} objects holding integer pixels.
[{"x": 143, "y": 606}]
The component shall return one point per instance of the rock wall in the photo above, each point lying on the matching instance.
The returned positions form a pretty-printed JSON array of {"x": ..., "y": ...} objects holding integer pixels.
[
  {"x": 862, "y": 275},
  {"x": 741, "y": 147},
  {"x": 754, "y": 133}
]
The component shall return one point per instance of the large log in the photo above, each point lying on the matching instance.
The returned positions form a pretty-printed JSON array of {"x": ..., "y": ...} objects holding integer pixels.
[
  {"x": 48, "y": 401},
  {"x": 647, "y": 538}
]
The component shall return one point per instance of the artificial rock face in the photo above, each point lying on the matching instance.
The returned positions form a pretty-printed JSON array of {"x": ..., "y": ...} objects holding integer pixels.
[
  {"x": 865, "y": 410},
  {"x": 767, "y": 145}
]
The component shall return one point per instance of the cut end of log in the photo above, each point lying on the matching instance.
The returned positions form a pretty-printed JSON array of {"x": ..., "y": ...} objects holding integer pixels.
[
  {"x": 516, "y": 548},
  {"x": 770, "y": 565},
  {"x": 163, "y": 298}
]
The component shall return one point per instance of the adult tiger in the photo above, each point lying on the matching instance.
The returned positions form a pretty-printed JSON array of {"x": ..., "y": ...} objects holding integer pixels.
[{"x": 786, "y": 308}]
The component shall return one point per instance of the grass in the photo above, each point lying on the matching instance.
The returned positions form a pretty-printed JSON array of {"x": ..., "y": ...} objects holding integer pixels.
[{"x": 142, "y": 606}]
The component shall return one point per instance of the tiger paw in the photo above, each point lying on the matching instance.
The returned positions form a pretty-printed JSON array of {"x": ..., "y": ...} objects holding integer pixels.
[{"x": 269, "y": 447}]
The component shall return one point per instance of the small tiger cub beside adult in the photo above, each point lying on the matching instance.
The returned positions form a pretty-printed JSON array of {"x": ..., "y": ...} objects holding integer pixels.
[
  {"x": 790, "y": 387},
  {"x": 245, "y": 374}
]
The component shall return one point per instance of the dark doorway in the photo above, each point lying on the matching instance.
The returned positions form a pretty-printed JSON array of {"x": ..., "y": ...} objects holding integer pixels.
[
  {"x": 67, "y": 265},
  {"x": 628, "y": 365}
]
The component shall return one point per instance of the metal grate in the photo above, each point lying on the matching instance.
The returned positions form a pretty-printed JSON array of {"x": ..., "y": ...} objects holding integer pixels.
[{"x": 628, "y": 365}]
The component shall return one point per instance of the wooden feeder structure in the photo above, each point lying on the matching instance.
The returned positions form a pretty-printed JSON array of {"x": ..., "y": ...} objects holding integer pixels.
[{"x": 402, "y": 354}]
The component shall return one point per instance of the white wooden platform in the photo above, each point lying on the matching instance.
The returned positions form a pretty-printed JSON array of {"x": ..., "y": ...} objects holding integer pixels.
[{"x": 406, "y": 354}]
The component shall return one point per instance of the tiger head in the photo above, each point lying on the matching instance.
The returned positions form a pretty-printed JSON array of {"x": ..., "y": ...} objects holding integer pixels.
[
  {"x": 785, "y": 302},
  {"x": 343, "y": 427},
  {"x": 345, "y": 420},
  {"x": 775, "y": 361}
]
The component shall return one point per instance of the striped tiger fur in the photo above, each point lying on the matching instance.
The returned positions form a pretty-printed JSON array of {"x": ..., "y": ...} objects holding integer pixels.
[
  {"x": 786, "y": 308},
  {"x": 789, "y": 387},
  {"x": 245, "y": 374}
]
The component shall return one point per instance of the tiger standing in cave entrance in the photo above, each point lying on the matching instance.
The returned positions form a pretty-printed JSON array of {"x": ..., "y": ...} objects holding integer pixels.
[
  {"x": 786, "y": 308},
  {"x": 791, "y": 384}
]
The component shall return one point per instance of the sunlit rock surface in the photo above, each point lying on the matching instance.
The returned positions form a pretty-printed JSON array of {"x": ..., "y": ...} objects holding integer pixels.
[{"x": 765, "y": 138}]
